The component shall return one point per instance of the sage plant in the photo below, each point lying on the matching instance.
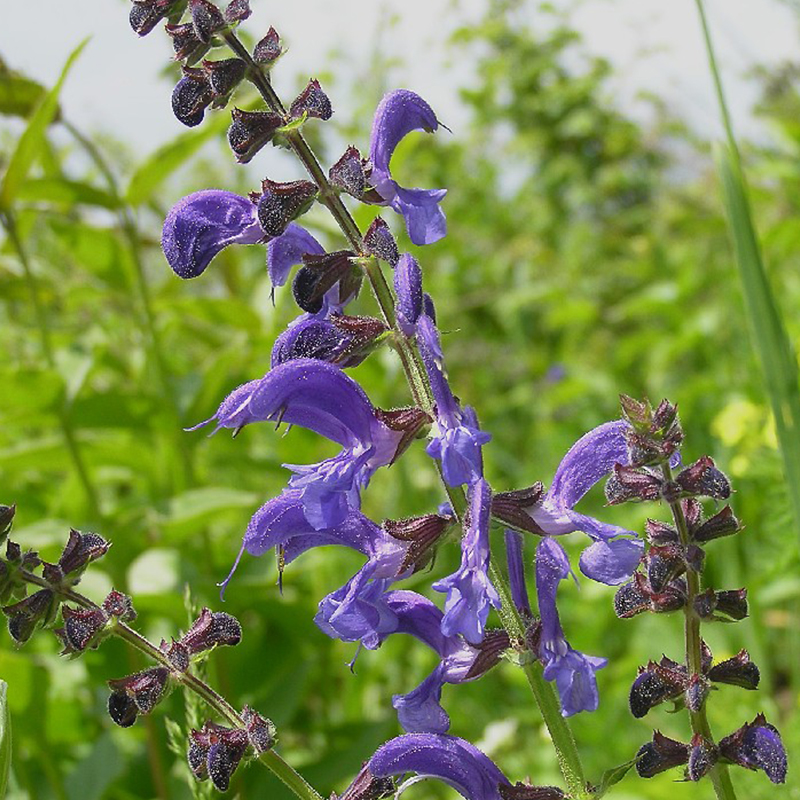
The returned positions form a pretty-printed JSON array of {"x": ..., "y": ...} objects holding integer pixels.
[{"x": 307, "y": 385}]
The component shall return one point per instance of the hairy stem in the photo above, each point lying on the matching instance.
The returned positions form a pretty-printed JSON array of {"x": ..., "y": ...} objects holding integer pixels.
[
  {"x": 720, "y": 777},
  {"x": 216, "y": 702},
  {"x": 419, "y": 385}
]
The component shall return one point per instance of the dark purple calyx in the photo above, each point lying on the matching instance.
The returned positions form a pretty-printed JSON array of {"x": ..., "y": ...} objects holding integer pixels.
[
  {"x": 736, "y": 671},
  {"x": 654, "y": 684},
  {"x": 250, "y": 131},
  {"x": 187, "y": 47},
  {"x": 260, "y": 731},
  {"x": 379, "y": 242},
  {"x": 757, "y": 745},
  {"x": 210, "y": 629},
  {"x": 422, "y": 534},
  {"x": 119, "y": 605},
  {"x": 191, "y": 96},
  {"x": 524, "y": 791},
  {"x": 703, "y": 479},
  {"x": 410, "y": 421},
  {"x": 512, "y": 507},
  {"x": 280, "y": 203},
  {"x": 661, "y": 533},
  {"x": 224, "y": 76},
  {"x": 268, "y": 49},
  {"x": 25, "y": 616},
  {"x": 136, "y": 694},
  {"x": 660, "y": 754},
  {"x": 723, "y": 523},
  {"x": 206, "y": 19},
  {"x": 632, "y": 483},
  {"x": 237, "y": 11},
  {"x": 83, "y": 628},
  {"x": 349, "y": 173},
  {"x": 703, "y": 755},
  {"x": 312, "y": 101}
]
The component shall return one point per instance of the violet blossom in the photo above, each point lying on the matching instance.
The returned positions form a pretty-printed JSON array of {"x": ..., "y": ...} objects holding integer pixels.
[
  {"x": 399, "y": 113},
  {"x": 573, "y": 672},
  {"x": 469, "y": 590},
  {"x": 318, "y": 396}
]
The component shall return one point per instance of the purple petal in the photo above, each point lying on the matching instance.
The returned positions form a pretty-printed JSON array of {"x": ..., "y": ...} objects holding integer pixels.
[
  {"x": 594, "y": 527},
  {"x": 201, "y": 224},
  {"x": 287, "y": 250},
  {"x": 762, "y": 748},
  {"x": 311, "y": 337},
  {"x": 419, "y": 617},
  {"x": 398, "y": 113},
  {"x": 446, "y": 758},
  {"x": 516, "y": 572},
  {"x": 469, "y": 590},
  {"x": 425, "y": 220},
  {"x": 420, "y": 710},
  {"x": 408, "y": 287},
  {"x": 611, "y": 562},
  {"x": 591, "y": 458},
  {"x": 574, "y": 674}
]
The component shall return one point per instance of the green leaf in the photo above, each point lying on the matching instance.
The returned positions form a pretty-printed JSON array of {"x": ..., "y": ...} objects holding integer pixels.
[
  {"x": 30, "y": 143},
  {"x": 166, "y": 159},
  {"x": 69, "y": 193},
  {"x": 612, "y": 777},
  {"x": 19, "y": 95},
  {"x": 775, "y": 351},
  {"x": 5, "y": 739}
]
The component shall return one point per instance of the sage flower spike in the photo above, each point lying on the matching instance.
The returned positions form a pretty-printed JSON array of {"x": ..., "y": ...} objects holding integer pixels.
[
  {"x": 399, "y": 113},
  {"x": 202, "y": 224}
]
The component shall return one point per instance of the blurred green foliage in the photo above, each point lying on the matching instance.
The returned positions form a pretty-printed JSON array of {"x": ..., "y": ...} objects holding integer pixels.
[{"x": 586, "y": 257}]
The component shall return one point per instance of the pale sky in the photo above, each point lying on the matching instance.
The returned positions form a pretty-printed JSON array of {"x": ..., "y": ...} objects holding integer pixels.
[{"x": 654, "y": 44}]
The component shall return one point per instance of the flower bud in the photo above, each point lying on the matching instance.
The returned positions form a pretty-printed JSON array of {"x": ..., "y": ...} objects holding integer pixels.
[
  {"x": 260, "y": 730},
  {"x": 664, "y": 417},
  {"x": 696, "y": 692},
  {"x": 250, "y": 131},
  {"x": 6, "y": 520},
  {"x": 692, "y": 511},
  {"x": 512, "y": 507},
  {"x": 237, "y": 11},
  {"x": 408, "y": 288},
  {"x": 643, "y": 450},
  {"x": 280, "y": 203},
  {"x": 224, "y": 755},
  {"x": 82, "y": 627},
  {"x": 629, "y": 483},
  {"x": 348, "y": 173},
  {"x": 269, "y": 48},
  {"x": 703, "y": 479},
  {"x": 143, "y": 689},
  {"x": 144, "y": 16},
  {"x": 736, "y": 671},
  {"x": 191, "y": 96},
  {"x": 653, "y": 685},
  {"x": 659, "y": 755},
  {"x": 663, "y": 564},
  {"x": 81, "y": 549},
  {"x": 39, "y": 609},
  {"x": 724, "y": 523},
  {"x": 757, "y": 745},
  {"x": 206, "y": 18},
  {"x": 630, "y": 600},
  {"x": 211, "y": 629},
  {"x": 422, "y": 534},
  {"x": 313, "y": 102},
  {"x": 178, "y": 655},
  {"x": 224, "y": 75},
  {"x": 702, "y": 757},
  {"x": 187, "y": 47},
  {"x": 411, "y": 421},
  {"x": 638, "y": 413},
  {"x": 673, "y": 598},
  {"x": 661, "y": 533},
  {"x": 379, "y": 242},
  {"x": 120, "y": 606},
  {"x": 731, "y": 603}
]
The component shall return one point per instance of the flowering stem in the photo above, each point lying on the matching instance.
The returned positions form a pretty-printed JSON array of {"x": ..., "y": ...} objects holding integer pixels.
[
  {"x": 720, "y": 777},
  {"x": 274, "y": 762},
  {"x": 419, "y": 385}
]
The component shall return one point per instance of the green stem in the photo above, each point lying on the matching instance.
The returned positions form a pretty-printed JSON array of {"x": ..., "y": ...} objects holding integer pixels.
[
  {"x": 9, "y": 223},
  {"x": 280, "y": 768},
  {"x": 719, "y": 775},
  {"x": 419, "y": 385}
]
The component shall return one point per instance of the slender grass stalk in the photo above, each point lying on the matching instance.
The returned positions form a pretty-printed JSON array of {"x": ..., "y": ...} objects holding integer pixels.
[
  {"x": 772, "y": 343},
  {"x": 419, "y": 385}
]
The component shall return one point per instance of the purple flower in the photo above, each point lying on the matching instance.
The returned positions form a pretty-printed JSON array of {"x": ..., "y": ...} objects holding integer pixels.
[
  {"x": 457, "y": 439},
  {"x": 408, "y": 287},
  {"x": 287, "y": 251},
  {"x": 573, "y": 672},
  {"x": 469, "y": 590},
  {"x": 420, "y": 710},
  {"x": 757, "y": 745},
  {"x": 614, "y": 555},
  {"x": 445, "y": 758},
  {"x": 318, "y": 396},
  {"x": 516, "y": 572},
  {"x": 201, "y": 224},
  {"x": 399, "y": 113}
]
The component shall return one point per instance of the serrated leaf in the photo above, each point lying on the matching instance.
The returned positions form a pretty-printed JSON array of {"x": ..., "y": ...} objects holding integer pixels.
[
  {"x": 158, "y": 166},
  {"x": 30, "y": 143},
  {"x": 5, "y": 738}
]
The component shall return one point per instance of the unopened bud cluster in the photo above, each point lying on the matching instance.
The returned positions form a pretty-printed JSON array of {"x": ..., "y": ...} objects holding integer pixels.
[{"x": 667, "y": 580}]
